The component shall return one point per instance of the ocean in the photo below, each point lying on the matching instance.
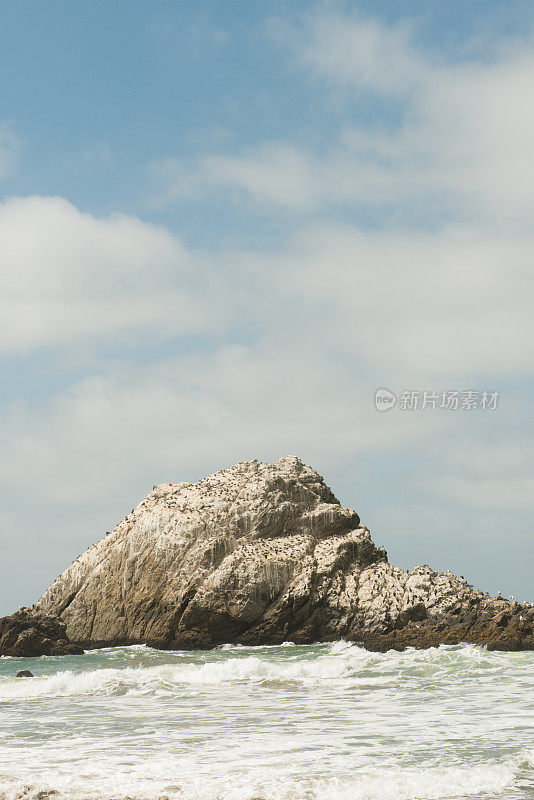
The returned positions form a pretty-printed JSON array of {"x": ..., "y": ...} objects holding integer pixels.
[{"x": 318, "y": 722}]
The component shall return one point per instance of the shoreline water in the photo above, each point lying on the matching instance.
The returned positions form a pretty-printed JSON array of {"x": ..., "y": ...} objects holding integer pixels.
[{"x": 291, "y": 722}]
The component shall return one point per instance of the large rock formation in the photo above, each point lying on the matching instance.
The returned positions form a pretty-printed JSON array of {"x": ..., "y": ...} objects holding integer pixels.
[{"x": 263, "y": 553}]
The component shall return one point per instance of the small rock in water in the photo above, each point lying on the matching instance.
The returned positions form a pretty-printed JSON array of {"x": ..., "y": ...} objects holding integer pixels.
[{"x": 25, "y": 673}]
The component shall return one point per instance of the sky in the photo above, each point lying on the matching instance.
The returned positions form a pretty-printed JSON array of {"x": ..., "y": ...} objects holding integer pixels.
[{"x": 224, "y": 226}]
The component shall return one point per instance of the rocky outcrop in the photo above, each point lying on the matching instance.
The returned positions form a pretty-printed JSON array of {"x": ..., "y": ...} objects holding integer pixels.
[
  {"x": 27, "y": 633},
  {"x": 263, "y": 553},
  {"x": 498, "y": 624}
]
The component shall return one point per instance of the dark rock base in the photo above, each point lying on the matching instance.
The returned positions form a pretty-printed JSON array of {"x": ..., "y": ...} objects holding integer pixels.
[
  {"x": 28, "y": 634},
  {"x": 496, "y": 624}
]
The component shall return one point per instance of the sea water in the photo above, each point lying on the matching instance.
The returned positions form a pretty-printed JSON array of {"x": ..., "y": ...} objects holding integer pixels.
[{"x": 319, "y": 722}]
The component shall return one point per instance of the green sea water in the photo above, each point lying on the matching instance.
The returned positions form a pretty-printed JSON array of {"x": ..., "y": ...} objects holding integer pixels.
[{"x": 323, "y": 722}]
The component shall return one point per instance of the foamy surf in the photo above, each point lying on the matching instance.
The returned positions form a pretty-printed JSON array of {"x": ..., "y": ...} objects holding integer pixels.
[
  {"x": 432, "y": 784},
  {"x": 325, "y": 722}
]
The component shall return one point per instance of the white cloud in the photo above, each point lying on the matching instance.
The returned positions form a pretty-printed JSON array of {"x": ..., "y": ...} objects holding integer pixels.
[
  {"x": 359, "y": 51},
  {"x": 272, "y": 173},
  {"x": 445, "y": 308},
  {"x": 464, "y": 145},
  {"x": 494, "y": 473},
  {"x": 504, "y": 493},
  {"x": 69, "y": 277},
  {"x": 190, "y": 415}
]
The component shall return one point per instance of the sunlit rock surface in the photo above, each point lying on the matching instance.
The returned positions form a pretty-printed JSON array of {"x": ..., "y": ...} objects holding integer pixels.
[{"x": 260, "y": 554}]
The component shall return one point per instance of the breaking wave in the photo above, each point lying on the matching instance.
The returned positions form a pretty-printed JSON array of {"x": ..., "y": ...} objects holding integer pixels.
[
  {"x": 342, "y": 662},
  {"x": 424, "y": 784},
  {"x": 323, "y": 722}
]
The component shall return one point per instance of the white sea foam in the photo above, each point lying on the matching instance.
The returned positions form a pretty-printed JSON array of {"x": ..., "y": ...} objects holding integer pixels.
[
  {"x": 339, "y": 664},
  {"x": 166, "y": 678},
  {"x": 340, "y": 661},
  {"x": 325, "y": 722},
  {"x": 425, "y": 784}
]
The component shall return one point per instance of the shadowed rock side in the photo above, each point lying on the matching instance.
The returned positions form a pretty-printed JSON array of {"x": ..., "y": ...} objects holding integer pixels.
[
  {"x": 260, "y": 554},
  {"x": 27, "y": 633}
]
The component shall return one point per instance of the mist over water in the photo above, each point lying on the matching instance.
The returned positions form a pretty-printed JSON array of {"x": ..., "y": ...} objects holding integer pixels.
[{"x": 321, "y": 722}]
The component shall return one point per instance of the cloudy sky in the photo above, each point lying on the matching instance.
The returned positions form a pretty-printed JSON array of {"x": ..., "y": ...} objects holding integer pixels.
[{"x": 223, "y": 226}]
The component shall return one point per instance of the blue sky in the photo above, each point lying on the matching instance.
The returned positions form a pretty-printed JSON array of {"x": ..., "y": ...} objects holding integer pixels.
[
  {"x": 224, "y": 225},
  {"x": 96, "y": 92}
]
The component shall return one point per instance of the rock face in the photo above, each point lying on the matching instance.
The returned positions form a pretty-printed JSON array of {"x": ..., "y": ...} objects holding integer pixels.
[
  {"x": 260, "y": 554},
  {"x": 26, "y": 633}
]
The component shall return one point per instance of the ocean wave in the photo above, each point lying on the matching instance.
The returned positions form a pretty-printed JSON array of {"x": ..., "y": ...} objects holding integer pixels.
[
  {"x": 526, "y": 758},
  {"x": 322, "y": 722},
  {"x": 410, "y": 784},
  {"x": 338, "y": 663},
  {"x": 167, "y": 678}
]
